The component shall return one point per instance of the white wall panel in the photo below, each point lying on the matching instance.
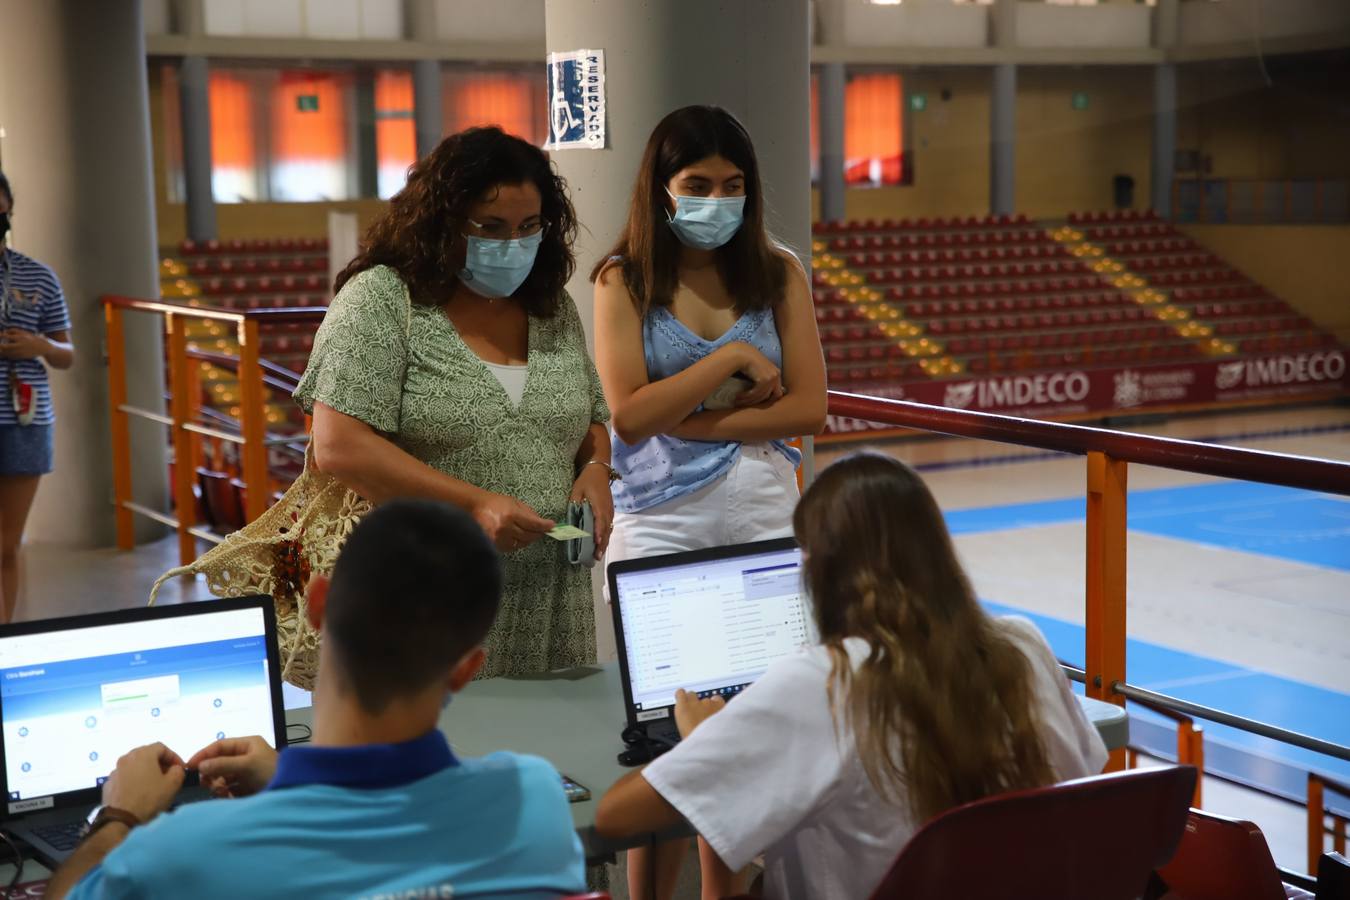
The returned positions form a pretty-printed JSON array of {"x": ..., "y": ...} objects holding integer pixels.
[
  {"x": 1108, "y": 25},
  {"x": 155, "y": 16},
  {"x": 274, "y": 18},
  {"x": 333, "y": 19},
  {"x": 867, "y": 24},
  {"x": 491, "y": 21},
  {"x": 382, "y": 19},
  {"x": 223, "y": 18},
  {"x": 1241, "y": 20}
]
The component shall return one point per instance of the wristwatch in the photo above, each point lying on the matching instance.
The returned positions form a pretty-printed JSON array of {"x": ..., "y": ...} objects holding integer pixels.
[{"x": 102, "y": 815}]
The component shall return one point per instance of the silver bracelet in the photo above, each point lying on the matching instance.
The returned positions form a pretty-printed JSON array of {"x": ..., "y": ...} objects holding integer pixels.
[{"x": 613, "y": 472}]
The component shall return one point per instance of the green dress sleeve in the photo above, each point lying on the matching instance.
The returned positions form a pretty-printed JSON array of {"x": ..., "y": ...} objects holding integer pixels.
[
  {"x": 361, "y": 351},
  {"x": 573, "y": 329}
]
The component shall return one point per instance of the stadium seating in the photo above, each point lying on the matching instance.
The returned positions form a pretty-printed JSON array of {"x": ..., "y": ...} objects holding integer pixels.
[
  {"x": 1224, "y": 859},
  {"x": 1007, "y": 294}
]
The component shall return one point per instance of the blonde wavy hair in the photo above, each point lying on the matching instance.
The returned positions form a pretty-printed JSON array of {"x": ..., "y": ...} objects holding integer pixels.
[{"x": 941, "y": 708}]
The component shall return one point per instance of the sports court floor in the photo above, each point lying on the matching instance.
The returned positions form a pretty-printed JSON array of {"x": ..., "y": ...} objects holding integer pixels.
[{"x": 1239, "y": 594}]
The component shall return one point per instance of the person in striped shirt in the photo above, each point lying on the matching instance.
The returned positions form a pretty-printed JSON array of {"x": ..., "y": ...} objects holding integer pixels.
[{"x": 34, "y": 334}]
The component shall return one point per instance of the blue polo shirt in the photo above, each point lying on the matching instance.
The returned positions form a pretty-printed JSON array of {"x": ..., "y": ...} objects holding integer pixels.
[{"x": 380, "y": 822}]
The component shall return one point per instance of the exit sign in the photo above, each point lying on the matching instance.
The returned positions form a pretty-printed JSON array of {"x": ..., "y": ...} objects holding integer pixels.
[
  {"x": 307, "y": 102},
  {"x": 918, "y": 102},
  {"x": 1080, "y": 100}
]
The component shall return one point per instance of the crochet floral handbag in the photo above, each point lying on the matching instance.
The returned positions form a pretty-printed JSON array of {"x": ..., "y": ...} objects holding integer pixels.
[{"x": 275, "y": 554}]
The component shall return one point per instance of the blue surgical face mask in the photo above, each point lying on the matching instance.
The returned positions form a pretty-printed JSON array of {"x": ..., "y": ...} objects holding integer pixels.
[
  {"x": 495, "y": 268},
  {"x": 706, "y": 223}
]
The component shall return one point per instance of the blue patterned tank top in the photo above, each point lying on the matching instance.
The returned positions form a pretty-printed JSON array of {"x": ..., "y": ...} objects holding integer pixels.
[{"x": 662, "y": 467}]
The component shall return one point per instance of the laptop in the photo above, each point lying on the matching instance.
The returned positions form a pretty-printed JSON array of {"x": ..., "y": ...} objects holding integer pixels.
[
  {"x": 78, "y": 693},
  {"x": 709, "y": 621}
]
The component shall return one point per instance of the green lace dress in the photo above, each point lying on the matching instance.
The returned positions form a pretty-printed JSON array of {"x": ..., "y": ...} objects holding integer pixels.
[{"x": 403, "y": 369}]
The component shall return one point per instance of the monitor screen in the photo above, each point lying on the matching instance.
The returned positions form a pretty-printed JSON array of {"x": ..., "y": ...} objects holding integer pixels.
[
  {"x": 73, "y": 701},
  {"x": 712, "y": 627}
]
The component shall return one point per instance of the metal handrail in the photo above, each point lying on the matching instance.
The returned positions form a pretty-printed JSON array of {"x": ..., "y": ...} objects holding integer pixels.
[
  {"x": 1150, "y": 450},
  {"x": 265, "y": 316},
  {"x": 1108, "y": 453},
  {"x": 255, "y": 376},
  {"x": 1241, "y": 723}
]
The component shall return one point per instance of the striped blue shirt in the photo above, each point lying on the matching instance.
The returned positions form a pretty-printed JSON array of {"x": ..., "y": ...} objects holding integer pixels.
[{"x": 34, "y": 302}]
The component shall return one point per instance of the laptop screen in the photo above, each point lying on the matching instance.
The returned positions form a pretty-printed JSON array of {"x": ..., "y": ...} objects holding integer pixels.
[
  {"x": 74, "y": 700},
  {"x": 711, "y": 626}
]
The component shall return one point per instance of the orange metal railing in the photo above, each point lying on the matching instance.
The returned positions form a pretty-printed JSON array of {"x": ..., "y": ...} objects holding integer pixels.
[
  {"x": 1318, "y": 787},
  {"x": 184, "y": 409},
  {"x": 1108, "y": 454}
]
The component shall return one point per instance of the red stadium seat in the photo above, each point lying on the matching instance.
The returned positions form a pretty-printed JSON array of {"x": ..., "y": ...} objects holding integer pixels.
[{"x": 1224, "y": 859}]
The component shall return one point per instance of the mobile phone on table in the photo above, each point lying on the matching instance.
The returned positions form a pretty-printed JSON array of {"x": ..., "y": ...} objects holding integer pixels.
[{"x": 576, "y": 792}]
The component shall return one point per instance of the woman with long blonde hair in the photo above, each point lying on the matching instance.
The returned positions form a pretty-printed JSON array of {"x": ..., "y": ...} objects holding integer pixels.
[{"x": 914, "y": 701}]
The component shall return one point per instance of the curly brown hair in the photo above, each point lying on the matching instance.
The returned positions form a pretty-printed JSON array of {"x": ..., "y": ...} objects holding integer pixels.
[{"x": 420, "y": 236}]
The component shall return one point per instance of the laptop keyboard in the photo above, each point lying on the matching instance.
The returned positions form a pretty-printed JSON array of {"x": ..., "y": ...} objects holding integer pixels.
[{"x": 62, "y": 835}]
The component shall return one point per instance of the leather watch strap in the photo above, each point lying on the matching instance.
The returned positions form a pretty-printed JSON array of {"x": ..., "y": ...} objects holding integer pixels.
[{"x": 109, "y": 814}]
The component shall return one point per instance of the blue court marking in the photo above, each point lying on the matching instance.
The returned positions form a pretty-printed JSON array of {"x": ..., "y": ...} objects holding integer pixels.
[
  {"x": 1257, "y": 695},
  {"x": 1287, "y": 523}
]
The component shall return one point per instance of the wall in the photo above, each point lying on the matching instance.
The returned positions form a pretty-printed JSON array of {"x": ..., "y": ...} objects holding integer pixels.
[
  {"x": 1282, "y": 120},
  {"x": 238, "y": 220},
  {"x": 1303, "y": 264},
  {"x": 1065, "y": 157}
]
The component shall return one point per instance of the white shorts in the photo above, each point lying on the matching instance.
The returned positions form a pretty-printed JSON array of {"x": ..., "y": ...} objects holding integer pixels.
[{"x": 752, "y": 502}]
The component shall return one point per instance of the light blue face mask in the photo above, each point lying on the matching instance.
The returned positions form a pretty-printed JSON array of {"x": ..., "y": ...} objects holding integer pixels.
[
  {"x": 706, "y": 223},
  {"x": 496, "y": 268}
]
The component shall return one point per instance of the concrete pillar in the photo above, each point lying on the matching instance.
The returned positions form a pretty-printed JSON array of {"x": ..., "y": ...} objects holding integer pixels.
[
  {"x": 1164, "y": 137},
  {"x": 367, "y": 149},
  {"x": 752, "y": 58},
  {"x": 428, "y": 114},
  {"x": 75, "y": 112},
  {"x": 830, "y": 122},
  {"x": 1002, "y": 134},
  {"x": 195, "y": 103},
  {"x": 749, "y": 56}
]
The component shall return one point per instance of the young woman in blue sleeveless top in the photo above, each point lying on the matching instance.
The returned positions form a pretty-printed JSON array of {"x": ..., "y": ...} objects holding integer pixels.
[{"x": 706, "y": 343}]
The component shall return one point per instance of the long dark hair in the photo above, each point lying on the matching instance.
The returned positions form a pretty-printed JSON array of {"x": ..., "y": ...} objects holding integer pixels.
[
  {"x": 421, "y": 234},
  {"x": 942, "y": 707},
  {"x": 750, "y": 265}
]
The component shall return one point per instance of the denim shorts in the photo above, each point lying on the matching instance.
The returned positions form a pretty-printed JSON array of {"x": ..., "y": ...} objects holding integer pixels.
[{"x": 25, "y": 449}]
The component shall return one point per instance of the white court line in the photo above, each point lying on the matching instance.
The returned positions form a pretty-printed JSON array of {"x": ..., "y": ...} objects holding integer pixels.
[{"x": 1204, "y": 679}]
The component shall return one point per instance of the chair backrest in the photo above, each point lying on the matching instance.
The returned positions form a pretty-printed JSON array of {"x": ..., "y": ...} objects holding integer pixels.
[
  {"x": 1098, "y": 837},
  {"x": 1333, "y": 877},
  {"x": 1222, "y": 859}
]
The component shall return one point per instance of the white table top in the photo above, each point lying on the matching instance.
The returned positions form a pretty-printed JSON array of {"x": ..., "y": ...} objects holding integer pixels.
[{"x": 573, "y": 719}]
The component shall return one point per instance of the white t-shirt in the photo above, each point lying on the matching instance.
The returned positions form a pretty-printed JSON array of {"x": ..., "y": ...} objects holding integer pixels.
[
  {"x": 768, "y": 775},
  {"x": 512, "y": 379}
]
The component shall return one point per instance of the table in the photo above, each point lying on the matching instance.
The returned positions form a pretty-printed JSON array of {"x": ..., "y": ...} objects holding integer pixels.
[{"x": 573, "y": 718}]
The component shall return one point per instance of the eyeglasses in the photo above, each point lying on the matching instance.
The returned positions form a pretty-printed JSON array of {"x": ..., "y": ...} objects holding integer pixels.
[{"x": 497, "y": 231}]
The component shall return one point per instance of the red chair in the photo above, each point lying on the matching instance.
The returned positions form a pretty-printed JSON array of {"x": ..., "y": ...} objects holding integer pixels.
[
  {"x": 1224, "y": 859},
  {"x": 1039, "y": 843}
]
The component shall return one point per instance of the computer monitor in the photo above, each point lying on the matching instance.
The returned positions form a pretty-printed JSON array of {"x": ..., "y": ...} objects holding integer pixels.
[
  {"x": 78, "y": 693},
  {"x": 709, "y": 621}
]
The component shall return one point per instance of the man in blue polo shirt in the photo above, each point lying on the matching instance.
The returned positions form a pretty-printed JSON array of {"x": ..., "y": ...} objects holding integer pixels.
[{"x": 377, "y": 806}]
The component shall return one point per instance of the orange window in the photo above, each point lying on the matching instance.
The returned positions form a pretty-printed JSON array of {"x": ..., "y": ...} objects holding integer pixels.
[
  {"x": 309, "y": 137},
  {"x": 395, "y": 130},
  {"x": 873, "y": 123},
  {"x": 512, "y": 100},
  {"x": 234, "y": 174}
]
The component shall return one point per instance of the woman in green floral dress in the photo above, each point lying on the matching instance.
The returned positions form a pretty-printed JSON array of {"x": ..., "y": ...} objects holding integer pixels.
[{"x": 452, "y": 364}]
